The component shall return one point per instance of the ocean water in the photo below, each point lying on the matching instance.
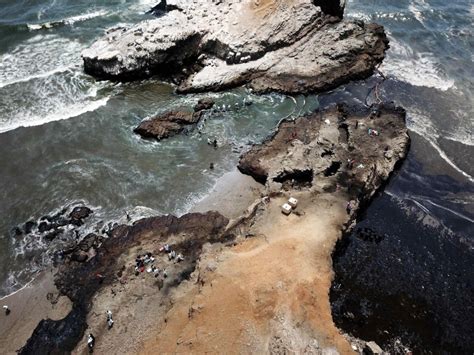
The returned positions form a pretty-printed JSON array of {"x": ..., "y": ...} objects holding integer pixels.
[
  {"x": 67, "y": 139},
  {"x": 405, "y": 276}
]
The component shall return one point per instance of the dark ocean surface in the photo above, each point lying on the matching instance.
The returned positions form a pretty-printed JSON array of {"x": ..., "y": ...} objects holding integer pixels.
[{"x": 404, "y": 277}]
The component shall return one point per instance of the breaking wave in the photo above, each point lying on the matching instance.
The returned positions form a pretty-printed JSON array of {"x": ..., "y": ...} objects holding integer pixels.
[
  {"x": 423, "y": 126},
  {"x": 418, "y": 8},
  {"x": 419, "y": 69},
  {"x": 38, "y": 57},
  {"x": 67, "y": 21},
  {"x": 41, "y": 81},
  {"x": 62, "y": 113}
]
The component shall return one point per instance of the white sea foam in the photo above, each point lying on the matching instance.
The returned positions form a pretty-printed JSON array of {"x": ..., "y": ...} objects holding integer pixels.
[
  {"x": 364, "y": 16},
  {"x": 419, "y": 8},
  {"x": 62, "y": 113},
  {"x": 67, "y": 21},
  {"x": 419, "y": 200},
  {"x": 40, "y": 56},
  {"x": 419, "y": 69},
  {"x": 422, "y": 125},
  {"x": 466, "y": 139},
  {"x": 12, "y": 283},
  {"x": 35, "y": 76},
  {"x": 41, "y": 81}
]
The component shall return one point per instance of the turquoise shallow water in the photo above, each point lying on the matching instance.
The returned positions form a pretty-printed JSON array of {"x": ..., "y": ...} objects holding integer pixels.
[{"x": 66, "y": 138}]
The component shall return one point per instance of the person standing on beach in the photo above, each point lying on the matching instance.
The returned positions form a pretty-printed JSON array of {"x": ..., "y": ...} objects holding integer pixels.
[
  {"x": 110, "y": 321},
  {"x": 90, "y": 342},
  {"x": 7, "y": 310}
]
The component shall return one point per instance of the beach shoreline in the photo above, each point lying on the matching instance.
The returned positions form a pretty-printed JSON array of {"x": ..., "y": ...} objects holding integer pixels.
[{"x": 39, "y": 299}]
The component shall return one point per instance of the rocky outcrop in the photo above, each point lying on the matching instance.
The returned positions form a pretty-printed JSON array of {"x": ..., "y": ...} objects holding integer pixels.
[
  {"x": 81, "y": 281},
  {"x": 78, "y": 214},
  {"x": 271, "y": 45},
  {"x": 172, "y": 122},
  {"x": 204, "y": 104},
  {"x": 51, "y": 226},
  {"x": 167, "y": 124},
  {"x": 372, "y": 348},
  {"x": 354, "y": 149},
  {"x": 161, "y": 8},
  {"x": 330, "y": 160}
]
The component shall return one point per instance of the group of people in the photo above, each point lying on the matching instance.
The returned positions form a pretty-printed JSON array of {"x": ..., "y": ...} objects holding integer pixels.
[
  {"x": 142, "y": 262},
  {"x": 172, "y": 254},
  {"x": 146, "y": 261}
]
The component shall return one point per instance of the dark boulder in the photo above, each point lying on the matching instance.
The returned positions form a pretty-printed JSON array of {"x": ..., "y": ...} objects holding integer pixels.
[
  {"x": 332, "y": 7},
  {"x": 90, "y": 241},
  {"x": 167, "y": 124},
  {"x": 161, "y": 8},
  {"x": 16, "y": 231},
  {"x": 57, "y": 336},
  {"x": 52, "y": 235},
  {"x": 78, "y": 214},
  {"x": 28, "y": 227},
  {"x": 79, "y": 256},
  {"x": 204, "y": 104},
  {"x": 45, "y": 226}
]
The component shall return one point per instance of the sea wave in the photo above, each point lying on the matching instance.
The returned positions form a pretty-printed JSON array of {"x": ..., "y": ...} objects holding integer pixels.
[
  {"x": 467, "y": 139},
  {"x": 38, "y": 57},
  {"x": 62, "y": 114},
  {"x": 67, "y": 21},
  {"x": 418, "y": 8},
  {"x": 422, "y": 125},
  {"x": 419, "y": 69}
]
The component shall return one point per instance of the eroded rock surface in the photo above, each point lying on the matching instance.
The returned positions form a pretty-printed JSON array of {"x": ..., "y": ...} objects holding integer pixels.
[
  {"x": 113, "y": 264},
  {"x": 167, "y": 124},
  {"x": 171, "y": 123},
  {"x": 272, "y": 45},
  {"x": 341, "y": 148}
]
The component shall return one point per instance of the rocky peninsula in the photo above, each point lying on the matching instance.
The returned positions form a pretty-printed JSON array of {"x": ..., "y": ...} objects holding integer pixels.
[{"x": 243, "y": 277}]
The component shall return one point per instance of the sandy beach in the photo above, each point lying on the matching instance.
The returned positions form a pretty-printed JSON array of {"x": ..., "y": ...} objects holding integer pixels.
[
  {"x": 36, "y": 301},
  {"x": 256, "y": 294},
  {"x": 231, "y": 196},
  {"x": 273, "y": 280}
]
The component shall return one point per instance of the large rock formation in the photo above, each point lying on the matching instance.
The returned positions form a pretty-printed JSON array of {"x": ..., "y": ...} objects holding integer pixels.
[
  {"x": 171, "y": 123},
  {"x": 167, "y": 124},
  {"x": 279, "y": 45},
  {"x": 341, "y": 148},
  {"x": 269, "y": 292}
]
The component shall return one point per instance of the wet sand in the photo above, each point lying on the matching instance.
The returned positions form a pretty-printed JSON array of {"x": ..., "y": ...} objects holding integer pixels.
[
  {"x": 231, "y": 196},
  {"x": 36, "y": 301}
]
